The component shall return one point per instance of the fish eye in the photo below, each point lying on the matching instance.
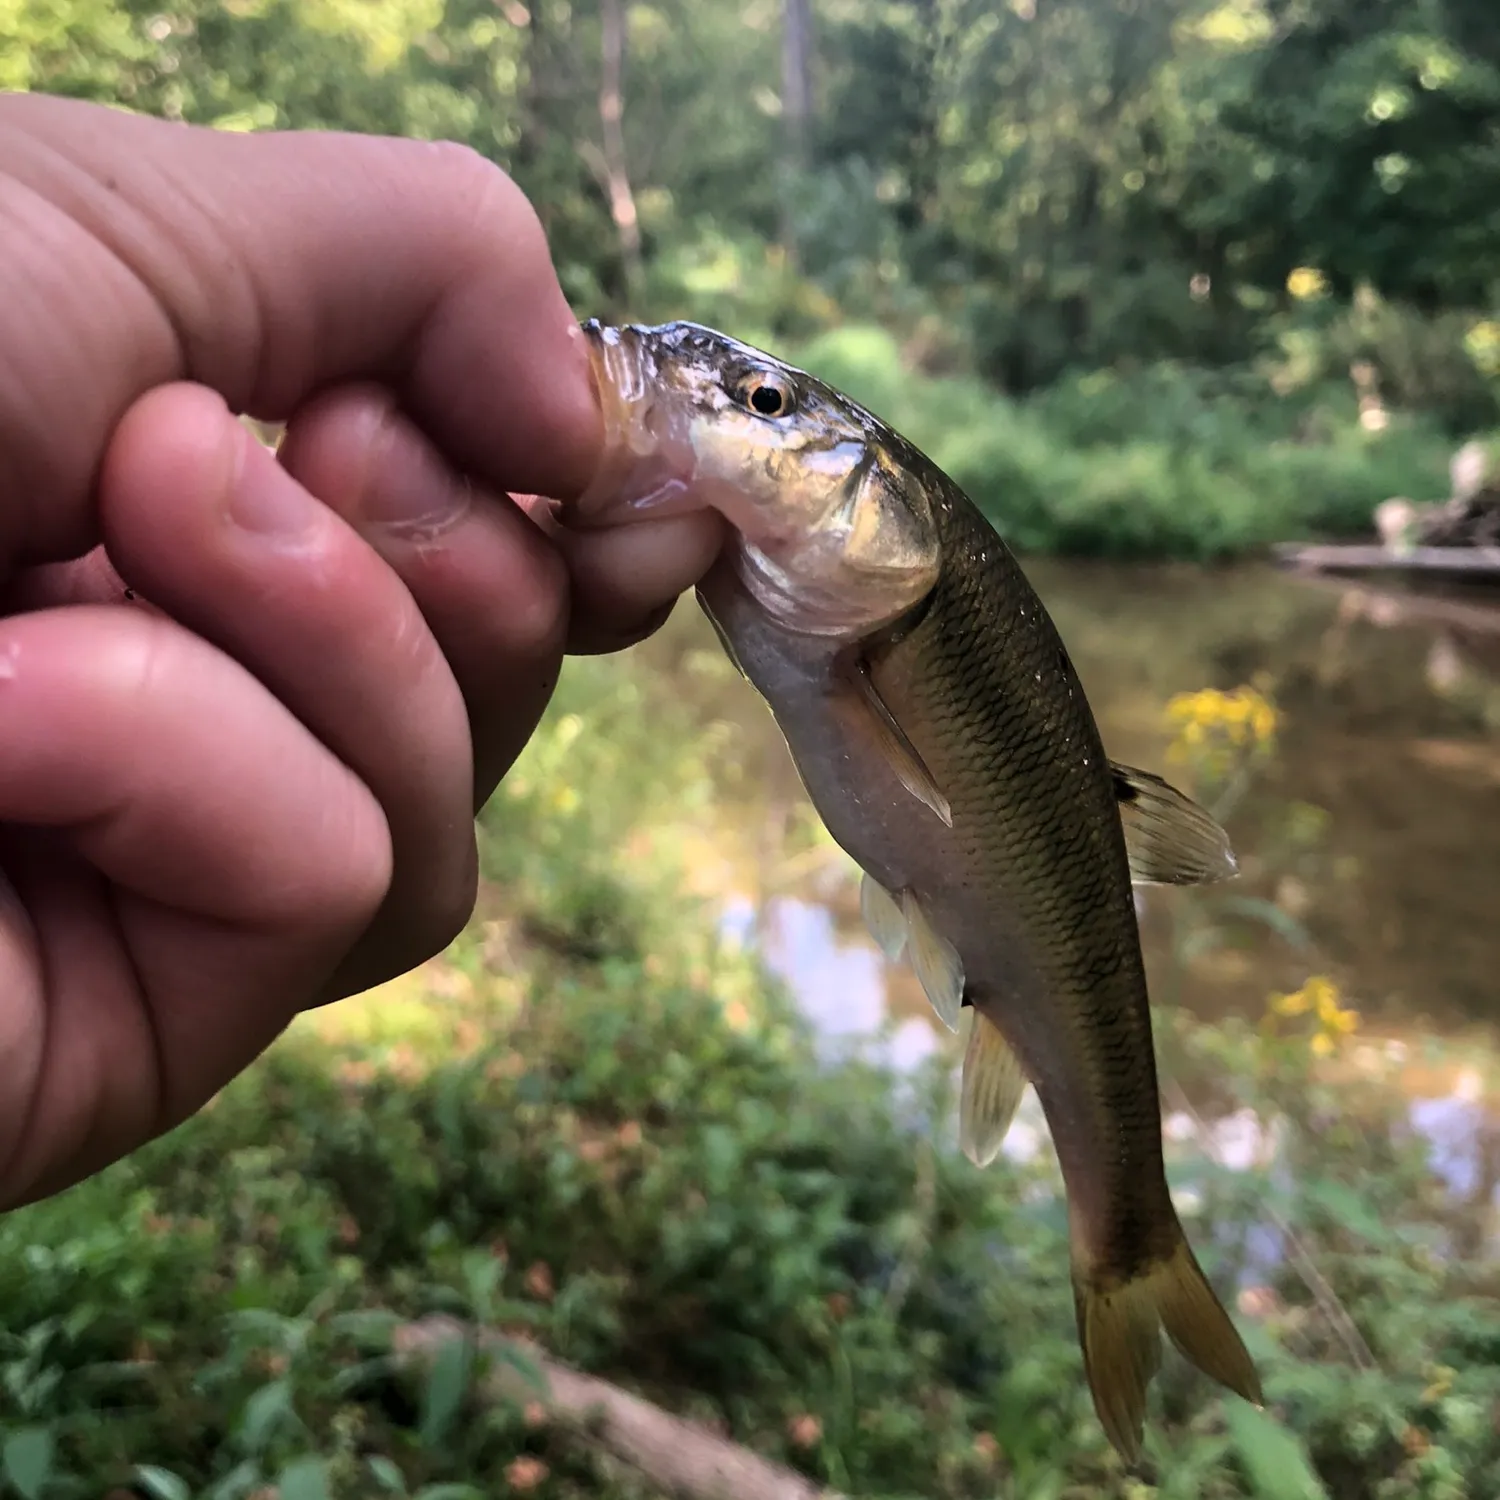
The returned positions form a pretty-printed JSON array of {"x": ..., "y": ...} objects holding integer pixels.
[{"x": 766, "y": 394}]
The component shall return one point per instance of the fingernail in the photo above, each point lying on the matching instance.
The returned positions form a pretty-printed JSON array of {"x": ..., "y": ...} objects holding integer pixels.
[
  {"x": 263, "y": 497},
  {"x": 406, "y": 487}
]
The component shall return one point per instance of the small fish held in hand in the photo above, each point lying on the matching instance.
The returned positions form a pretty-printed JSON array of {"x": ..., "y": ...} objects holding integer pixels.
[{"x": 944, "y": 738}]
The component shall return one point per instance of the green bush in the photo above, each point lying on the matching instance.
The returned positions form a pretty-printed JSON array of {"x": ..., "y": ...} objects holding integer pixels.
[
  {"x": 669, "y": 1189},
  {"x": 599, "y": 1123},
  {"x": 1163, "y": 462}
]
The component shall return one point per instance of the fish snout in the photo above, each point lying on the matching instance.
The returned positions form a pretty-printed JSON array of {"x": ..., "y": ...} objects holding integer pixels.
[{"x": 646, "y": 466}]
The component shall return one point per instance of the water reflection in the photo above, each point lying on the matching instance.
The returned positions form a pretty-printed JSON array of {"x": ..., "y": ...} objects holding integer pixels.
[
  {"x": 841, "y": 986},
  {"x": 1392, "y": 706},
  {"x": 839, "y": 983},
  {"x": 1382, "y": 809}
]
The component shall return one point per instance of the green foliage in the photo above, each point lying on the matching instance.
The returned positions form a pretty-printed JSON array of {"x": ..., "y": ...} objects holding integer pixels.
[
  {"x": 1378, "y": 157},
  {"x": 1169, "y": 462},
  {"x": 744, "y": 1233},
  {"x": 1173, "y": 229},
  {"x": 617, "y": 1138}
]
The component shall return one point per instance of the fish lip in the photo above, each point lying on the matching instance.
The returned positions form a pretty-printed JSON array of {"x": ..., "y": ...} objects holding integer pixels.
[{"x": 637, "y": 473}]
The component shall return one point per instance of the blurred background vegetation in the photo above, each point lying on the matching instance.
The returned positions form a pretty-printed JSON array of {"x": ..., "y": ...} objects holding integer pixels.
[
  {"x": 1194, "y": 274},
  {"x": 599, "y": 1122},
  {"x": 1155, "y": 279}
]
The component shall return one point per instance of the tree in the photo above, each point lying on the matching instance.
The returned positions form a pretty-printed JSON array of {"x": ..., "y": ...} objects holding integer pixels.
[{"x": 1377, "y": 126}]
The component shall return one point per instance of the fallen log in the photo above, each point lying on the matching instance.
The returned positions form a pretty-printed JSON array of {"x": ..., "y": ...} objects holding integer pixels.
[
  {"x": 679, "y": 1456},
  {"x": 1393, "y": 606},
  {"x": 1481, "y": 561}
]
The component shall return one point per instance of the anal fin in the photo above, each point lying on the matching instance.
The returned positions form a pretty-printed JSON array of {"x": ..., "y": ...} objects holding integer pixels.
[
  {"x": 1169, "y": 839},
  {"x": 936, "y": 961},
  {"x": 991, "y": 1092},
  {"x": 883, "y": 916}
]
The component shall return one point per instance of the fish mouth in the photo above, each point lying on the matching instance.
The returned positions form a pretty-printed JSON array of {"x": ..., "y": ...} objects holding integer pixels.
[{"x": 647, "y": 464}]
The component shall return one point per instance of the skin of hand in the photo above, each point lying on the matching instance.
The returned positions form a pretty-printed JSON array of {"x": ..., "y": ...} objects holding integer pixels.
[{"x": 247, "y": 785}]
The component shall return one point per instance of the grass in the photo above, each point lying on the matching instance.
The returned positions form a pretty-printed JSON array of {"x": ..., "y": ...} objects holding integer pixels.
[{"x": 596, "y": 1122}]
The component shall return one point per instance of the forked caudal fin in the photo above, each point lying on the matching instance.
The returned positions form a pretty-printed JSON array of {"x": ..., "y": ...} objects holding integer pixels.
[{"x": 1119, "y": 1327}]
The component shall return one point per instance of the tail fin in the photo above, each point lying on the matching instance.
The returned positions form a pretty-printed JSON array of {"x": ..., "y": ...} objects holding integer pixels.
[{"x": 1119, "y": 1326}]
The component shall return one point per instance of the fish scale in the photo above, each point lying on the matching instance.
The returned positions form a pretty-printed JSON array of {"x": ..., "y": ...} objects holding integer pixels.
[{"x": 945, "y": 740}]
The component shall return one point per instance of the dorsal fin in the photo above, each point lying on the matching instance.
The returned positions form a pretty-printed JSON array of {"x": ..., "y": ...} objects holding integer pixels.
[{"x": 1170, "y": 839}]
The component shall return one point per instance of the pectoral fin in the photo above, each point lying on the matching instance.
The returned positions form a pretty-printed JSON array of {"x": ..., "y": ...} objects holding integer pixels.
[
  {"x": 1170, "y": 839},
  {"x": 900, "y": 753},
  {"x": 883, "y": 916},
  {"x": 936, "y": 961},
  {"x": 992, "y": 1087}
]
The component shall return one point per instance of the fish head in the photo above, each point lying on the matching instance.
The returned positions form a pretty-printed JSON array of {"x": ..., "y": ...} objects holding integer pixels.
[{"x": 833, "y": 534}]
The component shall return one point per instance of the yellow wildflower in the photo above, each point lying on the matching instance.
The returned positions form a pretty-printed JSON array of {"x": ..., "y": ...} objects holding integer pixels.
[
  {"x": 1322, "y": 994},
  {"x": 1332, "y": 1016},
  {"x": 1242, "y": 719},
  {"x": 1306, "y": 283},
  {"x": 1294, "y": 1004},
  {"x": 1322, "y": 997},
  {"x": 1319, "y": 999}
]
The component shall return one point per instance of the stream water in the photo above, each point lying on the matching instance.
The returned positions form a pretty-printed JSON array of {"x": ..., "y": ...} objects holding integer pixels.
[{"x": 1369, "y": 846}]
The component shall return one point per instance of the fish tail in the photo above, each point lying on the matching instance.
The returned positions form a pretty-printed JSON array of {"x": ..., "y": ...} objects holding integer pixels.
[{"x": 1119, "y": 1327}]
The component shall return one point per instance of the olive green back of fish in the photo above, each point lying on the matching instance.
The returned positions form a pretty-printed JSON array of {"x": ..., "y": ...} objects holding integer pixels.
[{"x": 1042, "y": 914}]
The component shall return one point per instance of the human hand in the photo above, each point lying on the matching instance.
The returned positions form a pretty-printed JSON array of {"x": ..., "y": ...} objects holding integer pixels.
[{"x": 251, "y": 788}]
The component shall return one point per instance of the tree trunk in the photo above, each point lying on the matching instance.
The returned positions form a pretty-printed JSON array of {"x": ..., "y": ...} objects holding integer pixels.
[
  {"x": 526, "y": 161},
  {"x": 796, "y": 109},
  {"x": 612, "y": 126}
]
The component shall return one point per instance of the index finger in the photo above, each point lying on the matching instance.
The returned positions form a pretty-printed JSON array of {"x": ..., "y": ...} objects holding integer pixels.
[{"x": 267, "y": 266}]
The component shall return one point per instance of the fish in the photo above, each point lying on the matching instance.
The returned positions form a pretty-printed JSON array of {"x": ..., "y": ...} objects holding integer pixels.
[{"x": 943, "y": 736}]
